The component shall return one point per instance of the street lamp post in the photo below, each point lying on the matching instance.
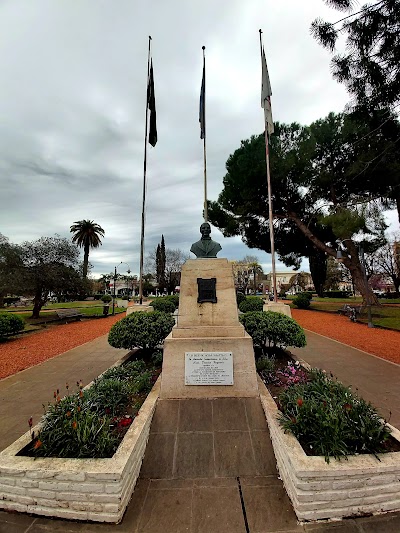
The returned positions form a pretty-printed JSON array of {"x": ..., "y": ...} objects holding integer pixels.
[
  {"x": 360, "y": 251},
  {"x": 115, "y": 281}
]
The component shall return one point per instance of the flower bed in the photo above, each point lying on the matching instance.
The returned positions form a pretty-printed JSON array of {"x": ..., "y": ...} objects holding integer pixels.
[
  {"x": 84, "y": 489},
  {"x": 324, "y": 487}
]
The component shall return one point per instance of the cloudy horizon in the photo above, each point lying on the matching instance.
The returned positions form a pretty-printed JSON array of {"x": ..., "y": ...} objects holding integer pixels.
[{"x": 72, "y": 108}]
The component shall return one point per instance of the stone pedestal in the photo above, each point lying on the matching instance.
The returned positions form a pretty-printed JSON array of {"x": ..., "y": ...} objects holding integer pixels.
[
  {"x": 276, "y": 307},
  {"x": 208, "y": 327}
]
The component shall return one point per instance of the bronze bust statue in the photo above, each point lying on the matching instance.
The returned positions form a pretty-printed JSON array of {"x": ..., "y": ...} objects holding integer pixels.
[{"x": 205, "y": 247}]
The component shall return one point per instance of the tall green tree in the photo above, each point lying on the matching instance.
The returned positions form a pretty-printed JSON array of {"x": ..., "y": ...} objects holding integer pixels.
[
  {"x": 370, "y": 65},
  {"x": 87, "y": 234},
  {"x": 10, "y": 268},
  {"x": 312, "y": 193},
  {"x": 161, "y": 264},
  {"x": 50, "y": 264}
]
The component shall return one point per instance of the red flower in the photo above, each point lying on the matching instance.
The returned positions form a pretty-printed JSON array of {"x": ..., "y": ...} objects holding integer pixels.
[
  {"x": 74, "y": 424},
  {"x": 68, "y": 414},
  {"x": 293, "y": 419},
  {"x": 300, "y": 402},
  {"x": 347, "y": 407},
  {"x": 38, "y": 443}
]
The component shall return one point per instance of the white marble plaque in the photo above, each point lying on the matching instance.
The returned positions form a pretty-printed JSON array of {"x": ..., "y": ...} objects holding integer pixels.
[{"x": 208, "y": 368}]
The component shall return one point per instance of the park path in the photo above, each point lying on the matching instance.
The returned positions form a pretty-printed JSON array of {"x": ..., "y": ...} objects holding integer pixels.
[{"x": 380, "y": 342}]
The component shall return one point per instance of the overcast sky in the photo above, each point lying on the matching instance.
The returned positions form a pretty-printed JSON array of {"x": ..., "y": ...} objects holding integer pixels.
[{"x": 72, "y": 109}]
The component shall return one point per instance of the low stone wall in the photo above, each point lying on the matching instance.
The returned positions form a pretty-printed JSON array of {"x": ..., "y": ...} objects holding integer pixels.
[
  {"x": 318, "y": 490},
  {"x": 80, "y": 489}
]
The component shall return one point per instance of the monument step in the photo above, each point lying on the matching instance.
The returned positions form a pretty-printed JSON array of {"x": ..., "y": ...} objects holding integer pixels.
[{"x": 208, "y": 331}]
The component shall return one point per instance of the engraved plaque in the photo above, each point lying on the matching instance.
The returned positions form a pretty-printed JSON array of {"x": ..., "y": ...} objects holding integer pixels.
[
  {"x": 206, "y": 290},
  {"x": 208, "y": 368}
]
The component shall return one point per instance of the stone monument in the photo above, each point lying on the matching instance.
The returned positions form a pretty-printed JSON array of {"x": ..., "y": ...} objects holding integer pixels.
[{"x": 208, "y": 353}]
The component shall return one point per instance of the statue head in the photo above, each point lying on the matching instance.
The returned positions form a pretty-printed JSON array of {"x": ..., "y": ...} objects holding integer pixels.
[{"x": 205, "y": 230}]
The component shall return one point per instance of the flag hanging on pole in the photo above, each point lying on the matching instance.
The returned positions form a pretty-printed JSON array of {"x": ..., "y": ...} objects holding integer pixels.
[
  {"x": 151, "y": 104},
  {"x": 266, "y": 93},
  {"x": 202, "y": 108}
]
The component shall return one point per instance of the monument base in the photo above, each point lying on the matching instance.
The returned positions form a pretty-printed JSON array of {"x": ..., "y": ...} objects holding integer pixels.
[
  {"x": 212, "y": 328},
  {"x": 173, "y": 372},
  {"x": 276, "y": 307}
]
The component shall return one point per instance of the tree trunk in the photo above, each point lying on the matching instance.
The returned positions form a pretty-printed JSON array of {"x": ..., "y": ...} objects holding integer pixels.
[
  {"x": 352, "y": 262},
  {"x": 38, "y": 302},
  {"x": 85, "y": 260}
]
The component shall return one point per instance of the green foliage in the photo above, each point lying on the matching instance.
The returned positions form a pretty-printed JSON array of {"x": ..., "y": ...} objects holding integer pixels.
[
  {"x": 265, "y": 364},
  {"x": 240, "y": 297},
  {"x": 336, "y": 294},
  {"x": 251, "y": 303},
  {"x": 86, "y": 424},
  {"x": 277, "y": 329},
  {"x": 83, "y": 434},
  {"x": 87, "y": 234},
  {"x": 106, "y": 298},
  {"x": 173, "y": 298},
  {"x": 163, "y": 304},
  {"x": 301, "y": 301},
  {"x": 10, "y": 324},
  {"x": 141, "y": 330},
  {"x": 328, "y": 419}
]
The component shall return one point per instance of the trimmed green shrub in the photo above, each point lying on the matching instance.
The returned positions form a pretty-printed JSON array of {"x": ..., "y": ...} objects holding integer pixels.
[
  {"x": 336, "y": 294},
  {"x": 10, "y": 324},
  {"x": 8, "y": 300},
  {"x": 329, "y": 420},
  {"x": 301, "y": 301},
  {"x": 277, "y": 329},
  {"x": 307, "y": 294},
  {"x": 163, "y": 304},
  {"x": 251, "y": 303},
  {"x": 106, "y": 298},
  {"x": 173, "y": 298},
  {"x": 141, "y": 330}
]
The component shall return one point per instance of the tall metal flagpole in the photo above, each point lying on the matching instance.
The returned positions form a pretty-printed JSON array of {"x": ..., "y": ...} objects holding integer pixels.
[
  {"x": 144, "y": 182},
  {"x": 204, "y": 139},
  {"x": 271, "y": 218}
]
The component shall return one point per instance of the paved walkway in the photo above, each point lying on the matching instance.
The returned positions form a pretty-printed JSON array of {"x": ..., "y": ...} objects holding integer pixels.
[{"x": 209, "y": 464}]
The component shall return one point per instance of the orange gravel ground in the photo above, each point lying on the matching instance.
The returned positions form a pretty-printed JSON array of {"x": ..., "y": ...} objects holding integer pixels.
[
  {"x": 33, "y": 348},
  {"x": 381, "y": 342}
]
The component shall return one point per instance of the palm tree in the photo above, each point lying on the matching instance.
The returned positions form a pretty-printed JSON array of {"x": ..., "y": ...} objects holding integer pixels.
[
  {"x": 87, "y": 235},
  {"x": 257, "y": 269}
]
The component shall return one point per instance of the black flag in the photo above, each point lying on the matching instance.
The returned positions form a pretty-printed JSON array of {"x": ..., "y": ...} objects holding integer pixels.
[
  {"x": 202, "y": 107},
  {"x": 151, "y": 104}
]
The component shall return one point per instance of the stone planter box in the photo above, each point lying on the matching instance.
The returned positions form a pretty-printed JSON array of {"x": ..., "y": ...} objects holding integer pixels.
[
  {"x": 318, "y": 490},
  {"x": 81, "y": 489}
]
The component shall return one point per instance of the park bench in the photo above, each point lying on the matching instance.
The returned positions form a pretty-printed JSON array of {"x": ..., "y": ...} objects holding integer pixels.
[
  {"x": 352, "y": 311},
  {"x": 64, "y": 314}
]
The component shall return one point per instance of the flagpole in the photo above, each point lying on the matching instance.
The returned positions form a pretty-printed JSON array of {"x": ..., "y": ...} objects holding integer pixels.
[
  {"x": 144, "y": 182},
  {"x": 270, "y": 215},
  {"x": 204, "y": 140}
]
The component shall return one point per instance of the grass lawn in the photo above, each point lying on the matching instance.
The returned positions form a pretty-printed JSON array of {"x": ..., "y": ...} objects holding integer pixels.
[{"x": 47, "y": 314}]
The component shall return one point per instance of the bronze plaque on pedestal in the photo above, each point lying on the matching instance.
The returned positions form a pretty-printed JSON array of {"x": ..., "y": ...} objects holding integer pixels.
[{"x": 207, "y": 290}]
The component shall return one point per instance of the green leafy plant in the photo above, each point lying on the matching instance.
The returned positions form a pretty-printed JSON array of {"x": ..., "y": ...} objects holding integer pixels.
[
  {"x": 141, "y": 330},
  {"x": 173, "y": 298},
  {"x": 10, "y": 324},
  {"x": 163, "y": 304},
  {"x": 251, "y": 303},
  {"x": 265, "y": 364},
  {"x": 329, "y": 420},
  {"x": 106, "y": 298},
  {"x": 301, "y": 301},
  {"x": 276, "y": 329}
]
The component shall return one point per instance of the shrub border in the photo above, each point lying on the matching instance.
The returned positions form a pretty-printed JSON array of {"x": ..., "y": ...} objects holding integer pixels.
[
  {"x": 345, "y": 488},
  {"x": 96, "y": 490}
]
